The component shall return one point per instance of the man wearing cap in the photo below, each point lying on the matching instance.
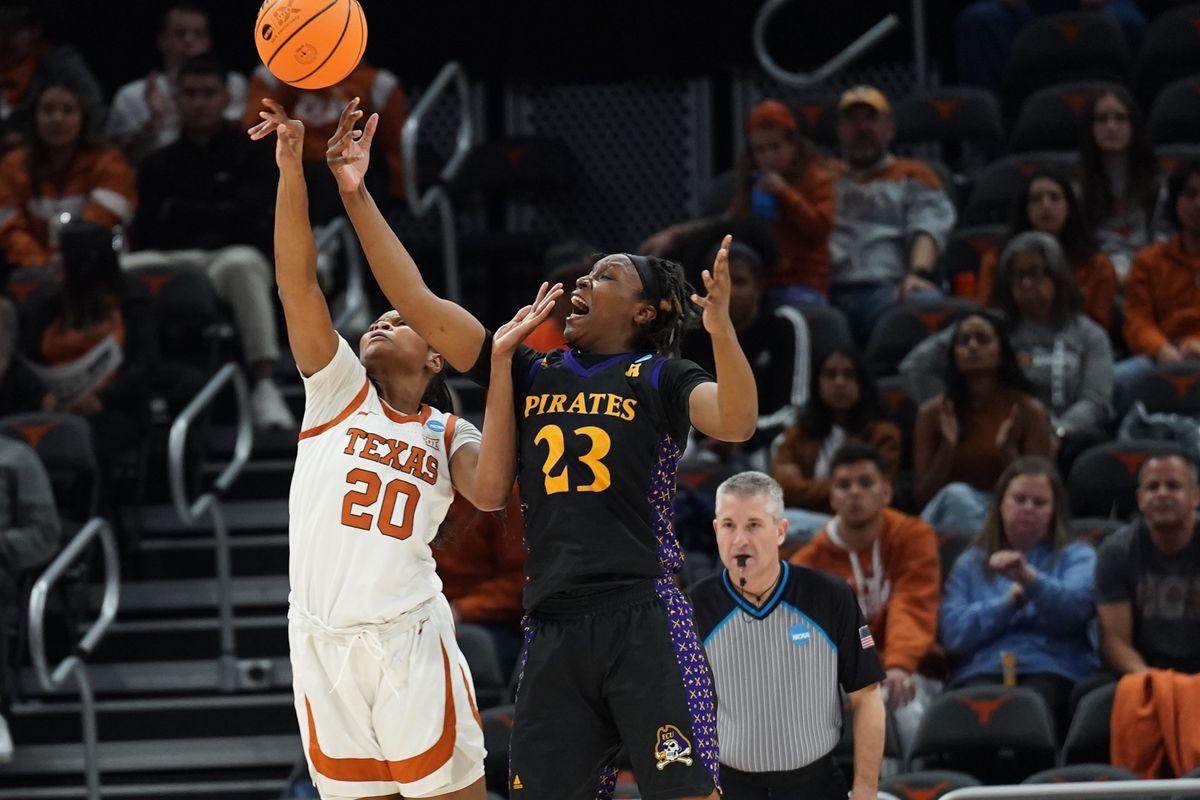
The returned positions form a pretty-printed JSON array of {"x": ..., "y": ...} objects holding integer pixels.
[{"x": 892, "y": 218}]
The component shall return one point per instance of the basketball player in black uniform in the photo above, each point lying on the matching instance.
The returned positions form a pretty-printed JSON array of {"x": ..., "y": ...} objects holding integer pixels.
[{"x": 611, "y": 656}]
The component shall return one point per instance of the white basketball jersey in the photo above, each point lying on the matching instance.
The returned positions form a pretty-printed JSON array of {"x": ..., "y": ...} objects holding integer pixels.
[{"x": 370, "y": 489}]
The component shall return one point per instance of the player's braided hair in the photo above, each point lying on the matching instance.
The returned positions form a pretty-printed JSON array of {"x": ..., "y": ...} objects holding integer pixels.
[
  {"x": 676, "y": 311},
  {"x": 437, "y": 393}
]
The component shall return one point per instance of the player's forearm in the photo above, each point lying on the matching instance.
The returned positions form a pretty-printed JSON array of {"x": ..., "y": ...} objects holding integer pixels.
[
  {"x": 497, "y": 465},
  {"x": 295, "y": 248},
  {"x": 737, "y": 392}
]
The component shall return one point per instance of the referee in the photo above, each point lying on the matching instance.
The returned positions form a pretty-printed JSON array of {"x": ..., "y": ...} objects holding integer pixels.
[{"x": 781, "y": 640}]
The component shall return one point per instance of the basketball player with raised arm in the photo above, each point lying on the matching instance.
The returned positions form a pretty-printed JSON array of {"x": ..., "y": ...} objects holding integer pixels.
[
  {"x": 383, "y": 696},
  {"x": 611, "y": 657}
]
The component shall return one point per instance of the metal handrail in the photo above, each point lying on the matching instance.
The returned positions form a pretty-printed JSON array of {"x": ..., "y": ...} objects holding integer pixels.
[
  {"x": 802, "y": 80},
  {"x": 208, "y": 503},
  {"x": 1159, "y": 788},
  {"x": 339, "y": 237},
  {"x": 76, "y": 663},
  {"x": 452, "y": 75}
]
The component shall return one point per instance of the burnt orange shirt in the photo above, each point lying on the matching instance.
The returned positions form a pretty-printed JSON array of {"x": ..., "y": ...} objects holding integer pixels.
[{"x": 1162, "y": 297}]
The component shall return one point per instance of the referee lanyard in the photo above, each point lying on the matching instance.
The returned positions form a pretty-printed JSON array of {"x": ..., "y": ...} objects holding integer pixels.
[{"x": 874, "y": 592}]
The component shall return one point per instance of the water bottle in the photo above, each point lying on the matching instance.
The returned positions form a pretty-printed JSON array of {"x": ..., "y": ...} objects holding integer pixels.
[{"x": 763, "y": 204}]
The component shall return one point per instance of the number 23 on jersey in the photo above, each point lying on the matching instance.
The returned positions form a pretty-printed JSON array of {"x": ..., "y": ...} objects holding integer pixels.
[{"x": 557, "y": 477}]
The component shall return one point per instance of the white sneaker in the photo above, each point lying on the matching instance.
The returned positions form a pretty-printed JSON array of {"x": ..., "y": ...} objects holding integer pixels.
[
  {"x": 268, "y": 408},
  {"x": 6, "y": 744}
]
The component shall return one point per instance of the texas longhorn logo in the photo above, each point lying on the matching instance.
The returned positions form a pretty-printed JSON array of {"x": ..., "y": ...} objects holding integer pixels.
[{"x": 672, "y": 747}]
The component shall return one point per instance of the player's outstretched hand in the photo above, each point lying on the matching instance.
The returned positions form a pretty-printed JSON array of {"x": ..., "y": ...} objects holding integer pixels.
[
  {"x": 349, "y": 151},
  {"x": 289, "y": 132},
  {"x": 715, "y": 303},
  {"x": 513, "y": 332}
]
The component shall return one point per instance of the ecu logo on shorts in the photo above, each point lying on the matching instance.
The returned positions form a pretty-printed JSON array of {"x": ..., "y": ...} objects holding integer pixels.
[{"x": 671, "y": 747}]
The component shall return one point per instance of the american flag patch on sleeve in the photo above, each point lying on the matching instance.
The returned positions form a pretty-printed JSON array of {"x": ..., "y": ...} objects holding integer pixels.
[{"x": 864, "y": 636}]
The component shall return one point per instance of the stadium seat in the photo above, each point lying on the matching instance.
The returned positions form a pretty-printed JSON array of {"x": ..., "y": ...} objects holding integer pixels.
[
  {"x": 951, "y": 545},
  {"x": 959, "y": 262},
  {"x": 63, "y": 442},
  {"x": 1170, "y": 50},
  {"x": 905, "y": 325},
  {"x": 899, "y": 406},
  {"x": 827, "y": 328},
  {"x": 1175, "y": 115},
  {"x": 479, "y": 649},
  {"x": 926, "y": 784},
  {"x": 950, "y": 115},
  {"x": 1082, "y": 773},
  {"x": 1167, "y": 389},
  {"x": 185, "y": 305},
  {"x": 1054, "y": 117},
  {"x": 1087, "y": 740},
  {"x": 717, "y": 196},
  {"x": 997, "y": 186},
  {"x": 1172, "y": 155},
  {"x": 1094, "y": 530},
  {"x": 1103, "y": 479},
  {"x": 817, "y": 118},
  {"x": 1075, "y": 46},
  {"x": 29, "y": 287},
  {"x": 999, "y": 734},
  {"x": 497, "y": 732}
]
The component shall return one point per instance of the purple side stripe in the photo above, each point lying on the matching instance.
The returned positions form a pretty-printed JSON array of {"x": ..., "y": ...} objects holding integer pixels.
[
  {"x": 693, "y": 669},
  {"x": 607, "y": 786},
  {"x": 662, "y": 493}
]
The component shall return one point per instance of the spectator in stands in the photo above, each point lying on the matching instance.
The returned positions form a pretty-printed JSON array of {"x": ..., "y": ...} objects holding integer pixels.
[
  {"x": 1020, "y": 600},
  {"x": 891, "y": 562},
  {"x": 143, "y": 115},
  {"x": 95, "y": 307},
  {"x": 1162, "y": 325},
  {"x": 842, "y": 406},
  {"x": 1065, "y": 355},
  {"x": 1047, "y": 203},
  {"x": 28, "y": 64},
  {"x": 30, "y": 533},
  {"x": 775, "y": 341},
  {"x": 966, "y": 437},
  {"x": 206, "y": 202},
  {"x": 1120, "y": 188},
  {"x": 782, "y": 180},
  {"x": 985, "y": 31},
  {"x": 1148, "y": 575},
  {"x": 565, "y": 263},
  {"x": 65, "y": 174},
  {"x": 319, "y": 110},
  {"x": 481, "y": 560},
  {"x": 783, "y": 643},
  {"x": 892, "y": 217}
]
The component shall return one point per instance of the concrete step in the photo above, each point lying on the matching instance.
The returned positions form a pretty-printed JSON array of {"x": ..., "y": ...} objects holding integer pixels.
[
  {"x": 175, "y": 677},
  {"x": 260, "y": 591},
  {"x": 269, "y": 789},
  {"x": 216, "y": 753}
]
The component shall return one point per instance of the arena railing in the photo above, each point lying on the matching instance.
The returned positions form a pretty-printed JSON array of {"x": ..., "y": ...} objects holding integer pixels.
[
  {"x": 209, "y": 502},
  {"x": 1025, "y": 791},
  {"x": 336, "y": 238},
  {"x": 837, "y": 63},
  {"x": 75, "y": 664},
  {"x": 453, "y": 77}
]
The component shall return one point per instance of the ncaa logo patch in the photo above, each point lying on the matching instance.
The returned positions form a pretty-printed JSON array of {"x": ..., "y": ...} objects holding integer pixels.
[
  {"x": 435, "y": 425},
  {"x": 799, "y": 634}
]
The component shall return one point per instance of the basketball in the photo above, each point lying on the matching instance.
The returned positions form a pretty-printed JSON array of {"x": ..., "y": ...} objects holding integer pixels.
[{"x": 310, "y": 44}]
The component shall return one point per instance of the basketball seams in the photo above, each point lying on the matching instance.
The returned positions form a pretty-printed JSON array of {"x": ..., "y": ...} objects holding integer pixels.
[
  {"x": 296, "y": 32},
  {"x": 262, "y": 13},
  {"x": 333, "y": 50}
]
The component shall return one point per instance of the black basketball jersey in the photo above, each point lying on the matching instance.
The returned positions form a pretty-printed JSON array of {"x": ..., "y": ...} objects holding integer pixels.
[{"x": 598, "y": 441}]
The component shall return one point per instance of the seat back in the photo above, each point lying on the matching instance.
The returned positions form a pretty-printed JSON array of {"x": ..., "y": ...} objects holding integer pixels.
[
  {"x": 1103, "y": 479},
  {"x": 1170, "y": 156},
  {"x": 28, "y": 288},
  {"x": 1073, "y": 46},
  {"x": 1094, "y": 530},
  {"x": 926, "y": 784},
  {"x": 1167, "y": 389},
  {"x": 1053, "y": 118},
  {"x": 479, "y": 649},
  {"x": 186, "y": 308},
  {"x": 1087, "y": 740},
  {"x": 905, "y": 325},
  {"x": 1082, "y": 773},
  {"x": 63, "y": 442},
  {"x": 996, "y": 733},
  {"x": 827, "y": 328},
  {"x": 817, "y": 118},
  {"x": 899, "y": 407},
  {"x": 1175, "y": 115},
  {"x": 964, "y": 252},
  {"x": 1170, "y": 50},
  {"x": 996, "y": 187}
]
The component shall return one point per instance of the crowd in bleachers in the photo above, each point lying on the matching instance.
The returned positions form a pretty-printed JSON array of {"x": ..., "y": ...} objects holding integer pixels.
[{"x": 981, "y": 321}]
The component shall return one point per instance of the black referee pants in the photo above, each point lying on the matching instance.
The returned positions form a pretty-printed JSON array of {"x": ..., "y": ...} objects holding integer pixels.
[{"x": 820, "y": 780}]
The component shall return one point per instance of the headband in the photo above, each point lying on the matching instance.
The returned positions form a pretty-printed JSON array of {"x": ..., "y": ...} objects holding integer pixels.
[{"x": 649, "y": 277}]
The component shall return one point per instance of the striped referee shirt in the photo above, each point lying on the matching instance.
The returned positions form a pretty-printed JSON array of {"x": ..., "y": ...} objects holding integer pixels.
[{"x": 778, "y": 668}]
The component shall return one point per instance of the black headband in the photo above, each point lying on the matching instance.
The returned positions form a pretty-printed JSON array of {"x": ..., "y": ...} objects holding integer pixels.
[{"x": 649, "y": 276}]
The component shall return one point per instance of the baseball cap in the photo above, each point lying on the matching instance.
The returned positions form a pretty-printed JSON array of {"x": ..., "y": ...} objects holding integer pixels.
[{"x": 864, "y": 95}]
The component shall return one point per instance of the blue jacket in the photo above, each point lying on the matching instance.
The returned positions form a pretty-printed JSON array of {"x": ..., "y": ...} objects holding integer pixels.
[{"x": 1052, "y": 633}]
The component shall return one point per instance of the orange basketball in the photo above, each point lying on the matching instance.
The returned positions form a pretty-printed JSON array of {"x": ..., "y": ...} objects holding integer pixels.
[{"x": 310, "y": 44}]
